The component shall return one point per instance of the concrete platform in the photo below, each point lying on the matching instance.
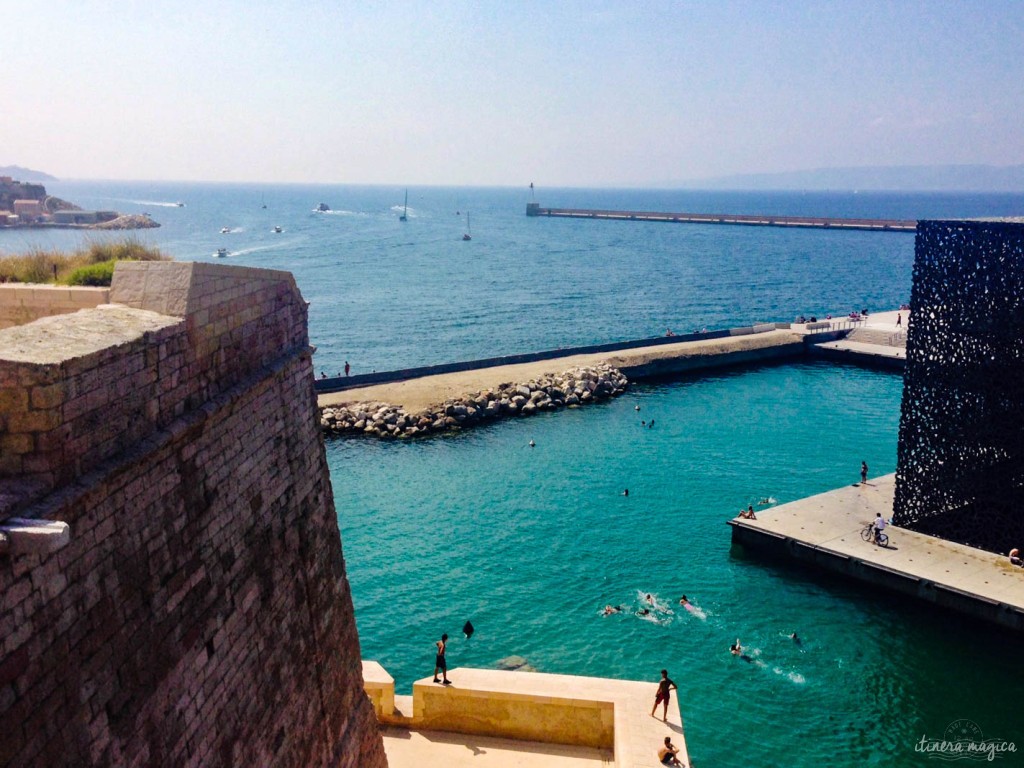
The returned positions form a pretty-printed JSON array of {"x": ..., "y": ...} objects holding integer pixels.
[
  {"x": 418, "y": 393},
  {"x": 525, "y": 718},
  {"x": 883, "y": 326},
  {"x": 433, "y": 749},
  {"x": 825, "y": 531}
]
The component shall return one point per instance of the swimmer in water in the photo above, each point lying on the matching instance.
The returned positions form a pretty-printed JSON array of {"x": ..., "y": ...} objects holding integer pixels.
[
  {"x": 532, "y": 444},
  {"x": 737, "y": 650},
  {"x": 637, "y": 408},
  {"x": 643, "y": 612},
  {"x": 683, "y": 601},
  {"x": 796, "y": 639},
  {"x": 610, "y": 609},
  {"x": 626, "y": 492}
]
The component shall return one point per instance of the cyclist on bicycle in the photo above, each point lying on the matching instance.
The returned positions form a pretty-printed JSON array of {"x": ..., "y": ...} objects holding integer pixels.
[{"x": 877, "y": 527}]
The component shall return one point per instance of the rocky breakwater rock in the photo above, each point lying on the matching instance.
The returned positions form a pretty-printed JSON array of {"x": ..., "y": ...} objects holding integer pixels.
[
  {"x": 127, "y": 221},
  {"x": 570, "y": 389}
]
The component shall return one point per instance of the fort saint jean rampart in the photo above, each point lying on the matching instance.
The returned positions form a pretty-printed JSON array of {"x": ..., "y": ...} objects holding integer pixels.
[{"x": 187, "y": 604}]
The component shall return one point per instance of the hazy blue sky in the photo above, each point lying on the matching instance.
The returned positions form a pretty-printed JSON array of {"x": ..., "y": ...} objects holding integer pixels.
[{"x": 502, "y": 93}]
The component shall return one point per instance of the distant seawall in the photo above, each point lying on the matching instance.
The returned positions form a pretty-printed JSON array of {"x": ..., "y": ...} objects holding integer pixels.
[{"x": 798, "y": 222}]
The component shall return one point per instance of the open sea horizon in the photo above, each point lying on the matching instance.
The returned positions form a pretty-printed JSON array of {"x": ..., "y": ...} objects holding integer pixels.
[{"x": 531, "y": 543}]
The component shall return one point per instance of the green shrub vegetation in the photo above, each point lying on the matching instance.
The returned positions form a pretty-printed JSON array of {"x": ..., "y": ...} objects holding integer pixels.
[
  {"x": 94, "y": 274},
  {"x": 85, "y": 266}
]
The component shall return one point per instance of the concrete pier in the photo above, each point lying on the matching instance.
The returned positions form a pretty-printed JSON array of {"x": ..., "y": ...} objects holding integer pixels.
[
  {"x": 825, "y": 531},
  {"x": 799, "y": 222},
  {"x": 534, "y": 719},
  {"x": 418, "y": 388}
]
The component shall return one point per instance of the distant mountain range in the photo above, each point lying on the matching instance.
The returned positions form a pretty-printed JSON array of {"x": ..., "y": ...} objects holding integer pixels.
[
  {"x": 18, "y": 173},
  {"x": 897, "y": 178}
]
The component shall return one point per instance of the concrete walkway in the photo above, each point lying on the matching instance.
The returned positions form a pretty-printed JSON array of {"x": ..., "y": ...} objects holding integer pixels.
[
  {"x": 883, "y": 324},
  {"x": 418, "y": 394},
  {"x": 826, "y": 529},
  {"x": 434, "y": 749}
]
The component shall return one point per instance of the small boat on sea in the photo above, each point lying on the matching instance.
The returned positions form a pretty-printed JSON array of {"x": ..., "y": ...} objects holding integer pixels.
[
  {"x": 180, "y": 205},
  {"x": 466, "y": 235},
  {"x": 277, "y": 230},
  {"x": 322, "y": 208},
  {"x": 405, "y": 208},
  {"x": 222, "y": 252},
  {"x": 224, "y": 230}
]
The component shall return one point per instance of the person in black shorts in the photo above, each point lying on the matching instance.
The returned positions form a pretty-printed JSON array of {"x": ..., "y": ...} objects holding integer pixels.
[
  {"x": 440, "y": 663},
  {"x": 665, "y": 688},
  {"x": 863, "y": 472},
  {"x": 668, "y": 754}
]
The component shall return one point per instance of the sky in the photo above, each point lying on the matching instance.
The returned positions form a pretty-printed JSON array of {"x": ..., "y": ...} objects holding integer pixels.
[{"x": 593, "y": 94}]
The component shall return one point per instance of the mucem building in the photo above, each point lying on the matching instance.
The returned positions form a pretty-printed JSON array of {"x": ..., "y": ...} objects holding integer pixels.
[{"x": 960, "y": 462}]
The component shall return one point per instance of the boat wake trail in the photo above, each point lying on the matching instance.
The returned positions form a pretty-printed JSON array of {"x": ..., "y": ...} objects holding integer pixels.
[{"x": 156, "y": 203}]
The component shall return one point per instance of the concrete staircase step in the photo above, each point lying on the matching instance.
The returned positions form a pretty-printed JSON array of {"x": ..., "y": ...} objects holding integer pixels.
[
  {"x": 878, "y": 336},
  {"x": 402, "y": 714}
]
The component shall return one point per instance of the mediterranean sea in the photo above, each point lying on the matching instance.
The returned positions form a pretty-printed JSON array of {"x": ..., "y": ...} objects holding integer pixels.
[{"x": 531, "y": 543}]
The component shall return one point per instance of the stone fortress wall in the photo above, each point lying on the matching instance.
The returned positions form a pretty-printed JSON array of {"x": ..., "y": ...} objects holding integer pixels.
[
  {"x": 20, "y": 304},
  {"x": 200, "y": 613}
]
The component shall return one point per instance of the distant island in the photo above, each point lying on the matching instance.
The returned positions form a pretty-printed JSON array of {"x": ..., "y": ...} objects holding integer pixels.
[
  {"x": 897, "y": 178},
  {"x": 25, "y": 174},
  {"x": 27, "y": 205}
]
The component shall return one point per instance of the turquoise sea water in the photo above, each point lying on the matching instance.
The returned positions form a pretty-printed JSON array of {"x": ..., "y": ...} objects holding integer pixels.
[{"x": 531, "y": 543}]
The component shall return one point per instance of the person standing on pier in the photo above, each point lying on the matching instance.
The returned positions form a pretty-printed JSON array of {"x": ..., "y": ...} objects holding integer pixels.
[
  {"x": 441, "y": 663},
  {"x": 665, "y": 688},
  {"x": 864, "y": 472},
  {"x": 347, "y": 368}
]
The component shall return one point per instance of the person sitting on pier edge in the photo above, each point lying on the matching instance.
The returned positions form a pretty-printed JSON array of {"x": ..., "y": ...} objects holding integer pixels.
[
  {"x": 748, "y": 513},
  {"x": 1015, "y": 558},
  {"x": 667, "y": 754}
]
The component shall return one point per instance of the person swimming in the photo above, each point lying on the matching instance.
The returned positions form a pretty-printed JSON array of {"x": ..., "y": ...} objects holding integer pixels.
[
  {"x": 796, "y": 639},
  {"x": 610, "y": 609},
  {"x": 737, "y": 650}
]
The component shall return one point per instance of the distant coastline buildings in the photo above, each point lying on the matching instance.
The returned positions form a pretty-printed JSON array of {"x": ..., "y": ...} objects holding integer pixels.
[{"x": 28, "y": 205}]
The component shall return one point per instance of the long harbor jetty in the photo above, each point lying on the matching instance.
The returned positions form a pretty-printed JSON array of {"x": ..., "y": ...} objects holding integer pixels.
[
  {"x": 874, "y": 340},
  {"x": 755, "y": 220},
  {"x": 824, "y": 531}
]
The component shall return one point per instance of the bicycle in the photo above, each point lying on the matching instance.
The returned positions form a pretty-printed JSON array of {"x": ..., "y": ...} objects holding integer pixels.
[{"x": 868, "y": 534}]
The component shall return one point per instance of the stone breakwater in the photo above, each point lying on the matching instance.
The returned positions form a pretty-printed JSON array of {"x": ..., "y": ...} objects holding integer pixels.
[{"x": 570, "y": 389}]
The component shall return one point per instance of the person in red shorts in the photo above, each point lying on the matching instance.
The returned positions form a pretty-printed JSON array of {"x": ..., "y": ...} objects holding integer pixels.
[{"x": 665, "y": 688}]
